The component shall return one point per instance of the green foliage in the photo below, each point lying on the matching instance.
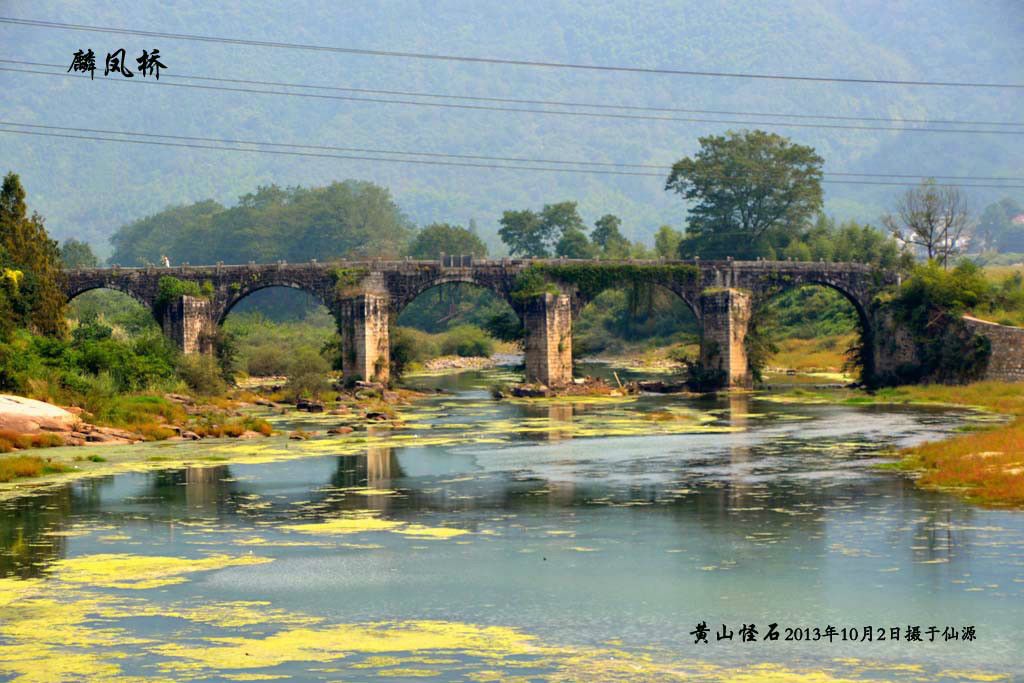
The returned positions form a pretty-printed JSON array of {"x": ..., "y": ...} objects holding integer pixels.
[
  {"x": 826, "y": 240},
  {"x": 347, "y": 278},
  {"x": 410, "y": 346},
  {"x": 170, "y": 289},
  {"x": 809, "y": 312},
  {"x": 539, "y": 235},
  {"x": 225, "y": 344},
  {"x": 126, "y": 315},
  {"x": 591, "y": 279},
  {"x": 640, "y": 313},
  {"x": 530, "y": 283},
  {"x": 351, "y": 219},
  {"x": 760, "y": 347},
  {"x": 265, "y": 347},
  {"x": 92, "y": 358},
  {"x": 505, "y": 326},
  {"x": 467, "y": 340},
  {"x": 267, "y": 361},
  {"x": 607, "y": 237},
  {"x": 307, "y": 374},
  {"x": 742, "y": 187},
  {"x": 930, "y": 303},
  {"x": 666, "y": 242},
  {"x": 31, "y": 295},
  {"x": 202, "y": 374},
  {"x": 439, "y": 238},
  {"x": 453, "y": 304},
  {"x": 77, "y": 254},
  {"x": 574, "y": 244},
  {"x": 997, "y": 229}
]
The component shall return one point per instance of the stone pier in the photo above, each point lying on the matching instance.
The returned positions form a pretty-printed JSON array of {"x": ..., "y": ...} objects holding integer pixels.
[
  {"x": 725, "y": 314},
  {"x": 548, "y": 321},
  {"x": 363, "y": 324},
  {"x": 366, "y": 295},
  {"x": 188, "y": 321}
]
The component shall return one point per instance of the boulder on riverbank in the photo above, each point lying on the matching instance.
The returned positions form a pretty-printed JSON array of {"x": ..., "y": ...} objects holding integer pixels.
[{"x": 28, "y": 416}]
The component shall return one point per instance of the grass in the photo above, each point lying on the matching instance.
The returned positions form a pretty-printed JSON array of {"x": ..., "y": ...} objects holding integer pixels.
[
  {"x": 232, "y": 427},
  {"x": 10, "y": 441},
  {"x": 23, "y": 466},
  {"x": 987, "y": 465},
  {"x": 813, "y": 355}
]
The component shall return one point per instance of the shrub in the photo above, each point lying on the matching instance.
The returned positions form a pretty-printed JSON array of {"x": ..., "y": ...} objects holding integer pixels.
[
  {"x": 152, "y": 431},
  {"x": 467, "y": 340},
  {"x": 202, "y": 374},
  {"x": 930, "y": 303},
  {"x": 19, "y": 466},
  {"x": 268, "y": 361},
  {"x": 259, "y": 425},
  {"x": 409, "y": 346},
  {"x": 170, "y": 288},
  {"x": 307, "y": 374}
]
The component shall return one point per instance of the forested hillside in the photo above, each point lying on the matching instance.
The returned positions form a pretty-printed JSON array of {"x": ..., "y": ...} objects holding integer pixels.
[{"x": 100, "y": 186}]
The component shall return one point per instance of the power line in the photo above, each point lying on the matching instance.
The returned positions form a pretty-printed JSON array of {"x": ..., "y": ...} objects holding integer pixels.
[
  {"x": 432, "y": 162},
  {"x": 558, "y": 103},
  {"x": 499, "y": 61},
  {"x": 370, "y": 150},
  {"x": 477, "y": 107}
]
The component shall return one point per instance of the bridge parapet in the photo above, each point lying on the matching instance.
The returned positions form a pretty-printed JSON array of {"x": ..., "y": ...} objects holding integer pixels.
[{"x": 365, "y": 295}]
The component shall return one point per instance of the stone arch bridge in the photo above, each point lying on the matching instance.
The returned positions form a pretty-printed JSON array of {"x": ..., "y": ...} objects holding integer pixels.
[{"x": 365, "y": 296}]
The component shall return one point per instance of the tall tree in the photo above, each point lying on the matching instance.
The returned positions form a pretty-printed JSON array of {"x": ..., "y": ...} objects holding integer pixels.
[
  {"x": 440, "y": 238},
  {"x": 608, "y": 238},
  {"x": 537, "y": 235},
  {"x": 38, "y": 300},
  {"x": 666, "y": 242},
  {"x": 997, "y": 229},
  {"x": 77, "y": 254},
  {"x": 932, "y": 218},
  {"x": 350, "y": 219},
  {"x": 742, "y": 186},
  {"x": 525, "y": 234},
  {"x": 574, "y": 244}
]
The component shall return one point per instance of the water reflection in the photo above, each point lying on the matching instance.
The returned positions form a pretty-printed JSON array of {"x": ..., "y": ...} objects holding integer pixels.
[
  {"x": 34, "y": 528},
  {"x": 199, "y": 491},
  {"x": 782, "y": 517}
]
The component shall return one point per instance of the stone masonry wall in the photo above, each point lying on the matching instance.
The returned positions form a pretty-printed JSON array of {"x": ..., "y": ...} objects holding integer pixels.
[
  {"x": 364, "y": 338},
  {"x": 548, "y": 320},
  {"x": 188, "y": 323},
  {"x": 726, "y": 316},
  {"x": 1006, "y": 363}
]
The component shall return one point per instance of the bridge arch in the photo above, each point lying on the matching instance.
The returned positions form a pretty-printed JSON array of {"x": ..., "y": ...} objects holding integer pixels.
[
  {"x": 857, "y": 300},
  {"x": 238, "y": 294},
  {"x": 401, "y": 301},
  {"x": 639, "y": 311},
  {"x": 76, "y": 292}
]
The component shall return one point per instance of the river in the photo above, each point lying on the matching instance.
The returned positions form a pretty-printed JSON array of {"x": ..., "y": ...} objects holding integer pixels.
[{"x": 521, "y": 540}]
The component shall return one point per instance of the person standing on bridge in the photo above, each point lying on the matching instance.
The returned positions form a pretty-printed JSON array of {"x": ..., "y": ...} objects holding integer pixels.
[{"x": 166, "y": 261}]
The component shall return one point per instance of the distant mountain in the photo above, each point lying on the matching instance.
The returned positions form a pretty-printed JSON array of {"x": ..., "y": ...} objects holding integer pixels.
[{"x": 88, "y": 189}]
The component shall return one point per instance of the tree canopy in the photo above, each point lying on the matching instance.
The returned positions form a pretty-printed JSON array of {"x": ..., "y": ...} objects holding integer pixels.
[
  {"x": 741, "y": 187},
  {"x": 997, "y": 229},
  {"x": 30, "y": 265},
  {"x": 557, "y": 229},
  {"x": 350, "y": 219},
  {"x": 932, "y": 218},
  {"x": 77, "y": 254},
  {"x": 436, "y": 238}
]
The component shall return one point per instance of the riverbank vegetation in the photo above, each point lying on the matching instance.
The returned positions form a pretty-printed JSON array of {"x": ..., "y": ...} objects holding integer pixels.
[
  {"x": 985, "y": 464},
  {"x": 106, "y": 355}
]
